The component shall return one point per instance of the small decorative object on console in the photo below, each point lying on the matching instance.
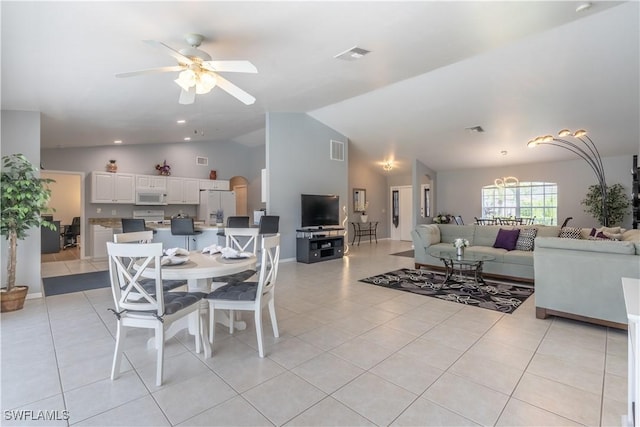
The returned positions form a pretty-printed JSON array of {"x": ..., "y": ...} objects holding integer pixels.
[
  {"x": 442, "y": 218},
  {"x": 112, "y": 167},
  {"x": 213, "y": 175},
  {"x": 164, "y": 169}
]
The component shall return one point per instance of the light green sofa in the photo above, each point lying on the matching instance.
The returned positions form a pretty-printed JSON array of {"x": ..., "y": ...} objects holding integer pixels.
[
  {"x": 515, "y": 265},
  {"x": 581, "y": 279}
]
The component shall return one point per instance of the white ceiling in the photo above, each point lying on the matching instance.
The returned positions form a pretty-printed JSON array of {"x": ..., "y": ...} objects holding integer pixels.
[{"x": 518, "y": 69}]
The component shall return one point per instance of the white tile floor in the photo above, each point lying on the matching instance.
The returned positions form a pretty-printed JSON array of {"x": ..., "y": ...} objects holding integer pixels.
[{"x": 349, "y": 354}]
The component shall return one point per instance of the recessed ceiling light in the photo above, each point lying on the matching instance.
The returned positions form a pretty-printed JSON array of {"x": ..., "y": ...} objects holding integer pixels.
[
  {"x": 187, "y": 138},
  {"x": 181, "y": 121},
  {"x": 352, "y": 54},
  {"x": 583, "y": 6},
  {"x": 117, "y": 141}
]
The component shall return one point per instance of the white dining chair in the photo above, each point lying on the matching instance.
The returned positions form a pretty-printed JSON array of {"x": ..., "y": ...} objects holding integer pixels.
[
  {"x": 145, "y": 237},
  {"x": 242, "y": 240},
  {"x": 135, "y": 307},
  {"x": 251, "y": 296}
]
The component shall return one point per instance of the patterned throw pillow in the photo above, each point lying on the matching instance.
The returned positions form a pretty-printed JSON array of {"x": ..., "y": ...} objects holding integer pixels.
[
  {"x": 570, "y": 233},
  {"x": 525, "y": 239}
]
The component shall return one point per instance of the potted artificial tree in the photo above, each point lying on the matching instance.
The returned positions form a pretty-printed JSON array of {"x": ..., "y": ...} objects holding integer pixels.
[
  {"x": 617, "y": 204},
  {"x": 24, "y": 196}
]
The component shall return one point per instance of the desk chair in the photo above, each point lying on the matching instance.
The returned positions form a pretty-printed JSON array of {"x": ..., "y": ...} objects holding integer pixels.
[
  {"x": 71, "y": 233},
  {"x": 183, "y": 227},
  {"x": 137, "y": 308},
  {"x": 251, "y": 295}
]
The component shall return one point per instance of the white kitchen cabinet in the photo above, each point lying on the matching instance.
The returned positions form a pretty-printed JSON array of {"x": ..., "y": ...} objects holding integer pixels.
[
  {"x": 214, "y": 184},
  {"x": 183, "y": 191},
  {"x": 107, "y": 187},
  {"x": 101, "y": 235},
  {"x": 147, "y": 182}
]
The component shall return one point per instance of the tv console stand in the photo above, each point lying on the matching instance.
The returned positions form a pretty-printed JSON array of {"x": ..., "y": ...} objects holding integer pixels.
[{"x": 319, "y": 244}]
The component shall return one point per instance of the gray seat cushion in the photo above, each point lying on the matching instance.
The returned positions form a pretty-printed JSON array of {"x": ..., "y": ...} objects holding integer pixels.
[
  {"x": 149, "y": 285},
  {"x": 176, "y": 301},
  {"x": 237, "y": 277},
  {"x": 242, "y": 291}
]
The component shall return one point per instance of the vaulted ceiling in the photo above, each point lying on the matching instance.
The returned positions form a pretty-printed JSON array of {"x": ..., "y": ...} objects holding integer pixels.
[{"x": 518, "y": 69}]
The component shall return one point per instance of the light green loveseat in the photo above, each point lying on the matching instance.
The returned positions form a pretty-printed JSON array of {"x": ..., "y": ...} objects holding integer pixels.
[
  {"x": 581, "y": 279},
  {"x": 518, "y": 265}
]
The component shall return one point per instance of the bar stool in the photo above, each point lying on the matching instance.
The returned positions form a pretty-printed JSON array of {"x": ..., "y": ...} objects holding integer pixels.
[{"x": 184, "y": 227}]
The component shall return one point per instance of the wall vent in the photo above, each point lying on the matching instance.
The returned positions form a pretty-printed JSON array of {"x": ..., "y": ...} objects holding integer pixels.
[
  {"x": 336, "y": 150},
  {"x": 202, "y": 161}
]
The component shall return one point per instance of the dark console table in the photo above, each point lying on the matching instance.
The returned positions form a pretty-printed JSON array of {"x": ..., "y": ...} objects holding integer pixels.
[
  {"x": 364, "y": 229},
  {"x": 314, "y": 245}
]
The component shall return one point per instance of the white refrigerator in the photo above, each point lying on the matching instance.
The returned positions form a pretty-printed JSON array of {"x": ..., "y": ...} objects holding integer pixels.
[{"x": 216, "y": 205}]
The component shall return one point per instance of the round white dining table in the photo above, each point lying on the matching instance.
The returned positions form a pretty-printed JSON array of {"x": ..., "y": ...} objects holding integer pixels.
[{"x": 199, "y": 272}]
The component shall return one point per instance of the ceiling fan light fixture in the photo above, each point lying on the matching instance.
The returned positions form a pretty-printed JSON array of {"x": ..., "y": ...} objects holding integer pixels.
[{"x": 186, "y": 79}]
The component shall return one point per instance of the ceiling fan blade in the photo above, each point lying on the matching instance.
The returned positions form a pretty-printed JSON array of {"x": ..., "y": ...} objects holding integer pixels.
[
  {"x": 187, "y": 97},
  {"x": 230, "y": 66},
  {"x": 180, "y": 57},
  {"x": 234, "y": 90},
  {"x": 152, "y": 71}
]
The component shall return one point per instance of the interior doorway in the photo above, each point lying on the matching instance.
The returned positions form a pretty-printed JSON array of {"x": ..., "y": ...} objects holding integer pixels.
[
  {"x": 401, "y": 212},
  {"x": 239, "y": 185},
  {"x": 67, "y": 198}
]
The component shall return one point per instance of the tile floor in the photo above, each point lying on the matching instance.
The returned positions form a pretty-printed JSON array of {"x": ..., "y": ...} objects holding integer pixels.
[{"x": 348, "y": 354}]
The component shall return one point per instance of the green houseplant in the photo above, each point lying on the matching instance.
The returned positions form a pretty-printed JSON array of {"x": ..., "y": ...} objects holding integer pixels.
[
  {"x": 617, "y": 204},
  {"x": 24, "y": 196}
]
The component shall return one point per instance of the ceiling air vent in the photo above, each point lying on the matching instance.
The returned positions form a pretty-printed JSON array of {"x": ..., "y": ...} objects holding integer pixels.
[
  {"x": 475, "y": 129},
  {"x": 352, "y": 54},
  {"x": 336, "y": 150}
]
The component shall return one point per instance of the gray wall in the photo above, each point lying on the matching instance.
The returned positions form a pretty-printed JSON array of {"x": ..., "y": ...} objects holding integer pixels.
[
  {"x": 298, "y": 163},
  {"x": 422, "y": 174},
  {"x": 362, "y": 174},
  {"x": 458, "y": 191},
  {"x": 21, "y": 134}
]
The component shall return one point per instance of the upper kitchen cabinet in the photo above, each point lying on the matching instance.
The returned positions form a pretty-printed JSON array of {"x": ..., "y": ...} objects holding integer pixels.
[
  {"x": 151, "y": 182},
  {"x": 107, "y": 187},
  {"x": 183, "y": 191},
  {"x": 214, "y": 184}
]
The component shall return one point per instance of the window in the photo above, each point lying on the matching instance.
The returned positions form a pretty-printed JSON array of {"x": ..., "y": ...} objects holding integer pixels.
[{"x": 524, "y": 200}]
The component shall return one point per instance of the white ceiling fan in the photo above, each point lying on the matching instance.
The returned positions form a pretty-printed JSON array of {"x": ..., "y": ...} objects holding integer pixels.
[{"x": 198, "y": 73}]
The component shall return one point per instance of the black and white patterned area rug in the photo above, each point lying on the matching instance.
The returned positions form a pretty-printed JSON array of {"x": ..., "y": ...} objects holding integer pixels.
[{"x": 493, "y": 295}]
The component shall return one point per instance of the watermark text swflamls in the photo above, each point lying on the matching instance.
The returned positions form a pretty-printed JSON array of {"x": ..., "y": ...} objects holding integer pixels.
[{"x": 31, "y": 415}]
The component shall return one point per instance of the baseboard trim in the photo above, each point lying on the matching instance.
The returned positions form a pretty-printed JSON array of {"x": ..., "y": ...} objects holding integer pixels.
[{"x": 543, "y": 313}]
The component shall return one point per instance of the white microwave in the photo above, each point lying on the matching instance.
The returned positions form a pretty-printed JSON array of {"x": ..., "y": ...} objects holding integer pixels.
[{"x": 147, "y": 198}]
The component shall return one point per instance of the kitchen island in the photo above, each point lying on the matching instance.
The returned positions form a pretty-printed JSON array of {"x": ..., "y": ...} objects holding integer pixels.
[{"x": 103, "y": 229}]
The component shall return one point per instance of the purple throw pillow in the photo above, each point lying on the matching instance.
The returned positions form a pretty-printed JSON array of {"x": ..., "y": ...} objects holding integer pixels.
[{"x": 507, "y": 239}]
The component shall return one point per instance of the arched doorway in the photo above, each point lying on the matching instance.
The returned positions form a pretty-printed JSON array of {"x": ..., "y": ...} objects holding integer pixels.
[{"x": 239, "y": 185}]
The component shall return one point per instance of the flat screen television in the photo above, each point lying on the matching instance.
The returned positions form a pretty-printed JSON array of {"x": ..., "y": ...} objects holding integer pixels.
[{"x": 320, "y": 210}]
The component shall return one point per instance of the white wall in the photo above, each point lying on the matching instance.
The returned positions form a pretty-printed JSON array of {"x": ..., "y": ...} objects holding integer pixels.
[
  {"x": 458, "y": 191},
  {"x": 21, "y": 134}
]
